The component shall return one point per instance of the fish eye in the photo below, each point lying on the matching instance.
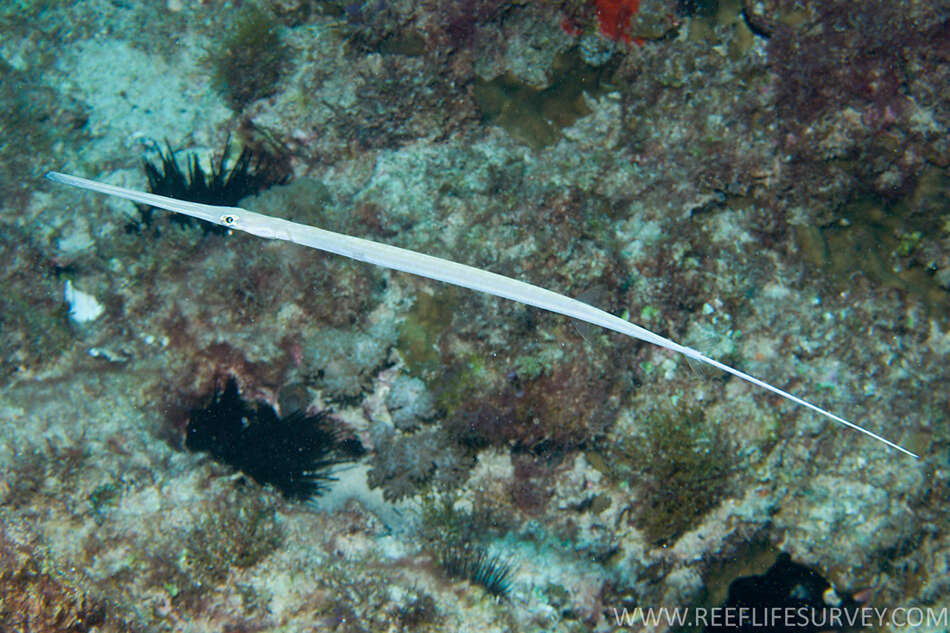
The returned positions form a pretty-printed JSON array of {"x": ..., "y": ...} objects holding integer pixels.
[{"x": 228, "y": 219}]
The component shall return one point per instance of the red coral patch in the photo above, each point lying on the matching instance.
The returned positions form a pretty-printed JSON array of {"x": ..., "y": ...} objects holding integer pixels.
[{"x": 614, "y": 16}]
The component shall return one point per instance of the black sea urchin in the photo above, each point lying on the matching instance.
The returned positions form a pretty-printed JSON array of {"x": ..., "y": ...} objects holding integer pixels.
[
  {"x": 222, "y": 185},
  {"x": 476, "y": 565},
  {"x": 294, "y": 453}
]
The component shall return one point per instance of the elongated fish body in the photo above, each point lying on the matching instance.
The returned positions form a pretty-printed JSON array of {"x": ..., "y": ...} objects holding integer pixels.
[{"x": 434, "y": 268}]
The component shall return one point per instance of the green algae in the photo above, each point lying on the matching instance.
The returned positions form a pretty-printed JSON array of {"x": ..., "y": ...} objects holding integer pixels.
[
  {"x": 430, "y": 316},
  {"x": 102, "y": 500},
  {"x": 249, "y": 61},
  {"x": 886, "y": 241},
  {"x": 535, "y": 115},
  {"x": 446, "y": 523},
  {"x": 681, "y": 464},
  {"x": 32, "y": 333},
  {"x": 543, "y": 361},
  {"x": 459, "y": 384},
  {"x": 237, "y": 530}
]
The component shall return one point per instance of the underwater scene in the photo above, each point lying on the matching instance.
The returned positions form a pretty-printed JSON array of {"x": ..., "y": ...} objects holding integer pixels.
[{"x": 647, "y": 327}]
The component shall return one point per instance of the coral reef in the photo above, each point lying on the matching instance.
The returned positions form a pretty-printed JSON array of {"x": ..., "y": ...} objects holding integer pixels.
[
  {"x": 409, "y": 403},
  {"x": 35, "y": 329},
  {"x": 613, "y": 16},
  {"x": 864, "y": 114},
  {"x": 765, "y": 181},
  {"x": 36, "y": 598},
  {"x": 343, "y": 360},
  {"x": 407, "y": 464},
  {"x": 549, "y": 413}
]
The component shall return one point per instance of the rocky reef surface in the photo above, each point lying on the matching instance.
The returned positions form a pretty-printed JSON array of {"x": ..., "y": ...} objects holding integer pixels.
[{"x": 764, "y": 181}]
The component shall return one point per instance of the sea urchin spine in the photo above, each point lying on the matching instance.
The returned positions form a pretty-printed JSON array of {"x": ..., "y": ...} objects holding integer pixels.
[{"x": 294, "y": 454}]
